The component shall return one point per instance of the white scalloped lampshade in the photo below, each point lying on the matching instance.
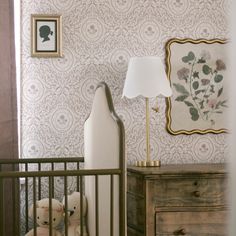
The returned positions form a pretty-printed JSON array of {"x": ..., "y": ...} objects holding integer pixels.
[{"x": 146, "y": 76}]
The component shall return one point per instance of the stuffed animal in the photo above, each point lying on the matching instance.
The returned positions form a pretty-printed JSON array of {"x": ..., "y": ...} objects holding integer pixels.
[
  {"x": 73, "y": 209},
  {"x": 42, "y": 217}
]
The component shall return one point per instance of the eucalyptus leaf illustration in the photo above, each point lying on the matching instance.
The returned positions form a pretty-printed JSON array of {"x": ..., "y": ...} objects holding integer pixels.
[
  {"x": 206, "y": 69},
  {"x": 195, "y": 85},
  {"x": 181, "y": 98},
  {"x": 189, "y": 104},
  {"x": 194, "y": 113},
  {"x": 181, "y": 89},
  {"x": 189, "y": 57},
  {"x": 220, "y": 91},
  {"x": 218, "y": 78}
]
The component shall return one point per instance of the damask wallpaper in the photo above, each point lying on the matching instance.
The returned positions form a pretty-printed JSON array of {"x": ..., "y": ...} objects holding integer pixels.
[{"x": 99, "y": 37}]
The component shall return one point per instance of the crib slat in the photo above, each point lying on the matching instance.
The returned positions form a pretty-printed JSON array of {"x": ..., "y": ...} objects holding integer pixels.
[
  {"x": 12, "y": 181},
  {"x": 81, "y": 205},
  {"x": 78, "y": 167},
  {"x": 122, "y": 199},
  {"x": 66, "y": 204},
  {"x": 16, "y": 206},
  {"x": 112, "y": 205},
  {"x": 13, "y": 197},
  {"x": 26, "y": 201},
  {"x": 34, "y": 206},
  {"x": 39, "y": 182},
  {"x": 52, "y": 168},
  {"x": 96, "y": 206},
  {"x": 17, "y": 191},
  {"x": 2, "y": 223},
  {"x": 65, "y": 165},
  {"x": 50, "y": 204}
]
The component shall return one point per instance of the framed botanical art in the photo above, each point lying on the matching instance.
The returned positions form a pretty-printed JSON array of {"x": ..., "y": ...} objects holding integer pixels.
[
  {"x": 46, "y": 38},
  {"x": 197, "y": 70}
]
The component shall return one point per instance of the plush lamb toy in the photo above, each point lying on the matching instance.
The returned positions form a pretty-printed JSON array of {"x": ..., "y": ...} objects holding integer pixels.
[
  {"x": 73, "y": 208},
  {"x": 42, "y": 217}
]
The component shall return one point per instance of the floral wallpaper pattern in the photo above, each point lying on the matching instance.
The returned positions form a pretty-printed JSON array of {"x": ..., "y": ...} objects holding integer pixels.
[{"x": 99, "y": 37}]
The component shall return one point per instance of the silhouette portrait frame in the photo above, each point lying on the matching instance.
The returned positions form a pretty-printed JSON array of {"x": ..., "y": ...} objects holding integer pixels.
[{"x": 46, "y": 35}]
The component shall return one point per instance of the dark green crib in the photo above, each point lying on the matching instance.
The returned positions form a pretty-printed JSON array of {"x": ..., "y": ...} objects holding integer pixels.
[{"x": 24, "y": 181}]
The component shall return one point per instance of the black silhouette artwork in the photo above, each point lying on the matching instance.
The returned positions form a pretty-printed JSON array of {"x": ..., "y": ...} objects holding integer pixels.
[{"x": 44, "y": 32}]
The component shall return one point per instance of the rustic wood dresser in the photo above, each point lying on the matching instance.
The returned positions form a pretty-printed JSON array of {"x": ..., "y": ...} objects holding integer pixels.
[{"x": 174, "y": 200}]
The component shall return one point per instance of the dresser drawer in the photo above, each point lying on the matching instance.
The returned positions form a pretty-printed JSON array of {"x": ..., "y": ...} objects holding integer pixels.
[
  {"x": 194, "y": 223},
  {"x": 192, "y": 191}
]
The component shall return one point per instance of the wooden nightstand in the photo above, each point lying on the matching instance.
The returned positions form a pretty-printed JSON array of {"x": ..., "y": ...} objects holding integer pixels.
[{"x": 177, "y": 200}]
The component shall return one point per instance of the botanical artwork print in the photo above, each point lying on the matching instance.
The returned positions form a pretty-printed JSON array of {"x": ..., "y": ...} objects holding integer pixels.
[
  {"x": 200, "y": 93},
  {"x": 198, "y": 83}
]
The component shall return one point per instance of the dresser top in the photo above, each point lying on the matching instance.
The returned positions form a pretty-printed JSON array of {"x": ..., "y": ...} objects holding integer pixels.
[{"x": 211, "y": 168}]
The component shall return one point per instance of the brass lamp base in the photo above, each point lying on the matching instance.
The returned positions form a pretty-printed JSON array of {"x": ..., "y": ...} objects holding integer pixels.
[{"x": 147, "y": 163}]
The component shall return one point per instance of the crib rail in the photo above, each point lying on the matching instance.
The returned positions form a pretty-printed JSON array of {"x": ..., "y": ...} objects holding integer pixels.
[
  {"x": 58, "y": 173},
  {"x": 34, "y": 178},
  {"x": 41, "y": 160}
]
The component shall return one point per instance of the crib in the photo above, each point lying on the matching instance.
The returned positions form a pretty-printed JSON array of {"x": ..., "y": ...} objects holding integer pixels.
[{"x": 100, "y": 176}]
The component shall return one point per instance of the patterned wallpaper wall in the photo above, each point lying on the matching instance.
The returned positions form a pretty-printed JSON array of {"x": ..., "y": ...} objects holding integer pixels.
[{"x": 99, "y": 37}]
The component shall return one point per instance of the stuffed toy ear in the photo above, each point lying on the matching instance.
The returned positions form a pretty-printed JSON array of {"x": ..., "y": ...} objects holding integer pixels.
[{"x": 31, "y": 210}]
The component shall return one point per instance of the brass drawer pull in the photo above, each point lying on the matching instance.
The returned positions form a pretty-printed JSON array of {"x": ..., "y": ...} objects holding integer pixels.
[
  {"x": 196, "y": 194},
  {"x": 181, "y": 231}
]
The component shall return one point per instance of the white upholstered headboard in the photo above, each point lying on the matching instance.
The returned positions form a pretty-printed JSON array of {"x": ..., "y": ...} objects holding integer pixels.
[{"x": 104, "y": 149}]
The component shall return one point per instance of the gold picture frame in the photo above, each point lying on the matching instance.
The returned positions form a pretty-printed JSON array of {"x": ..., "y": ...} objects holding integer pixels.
[
  {"x": 197, "y": 71},
  {"x": 46, "y": 35}
]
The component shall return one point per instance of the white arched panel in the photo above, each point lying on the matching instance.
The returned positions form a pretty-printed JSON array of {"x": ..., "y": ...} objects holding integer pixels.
[{"x": 103, "y": 149}]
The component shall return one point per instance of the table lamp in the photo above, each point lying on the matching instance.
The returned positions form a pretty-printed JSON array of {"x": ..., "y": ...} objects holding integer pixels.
[{"x": 146, "y": 76}]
